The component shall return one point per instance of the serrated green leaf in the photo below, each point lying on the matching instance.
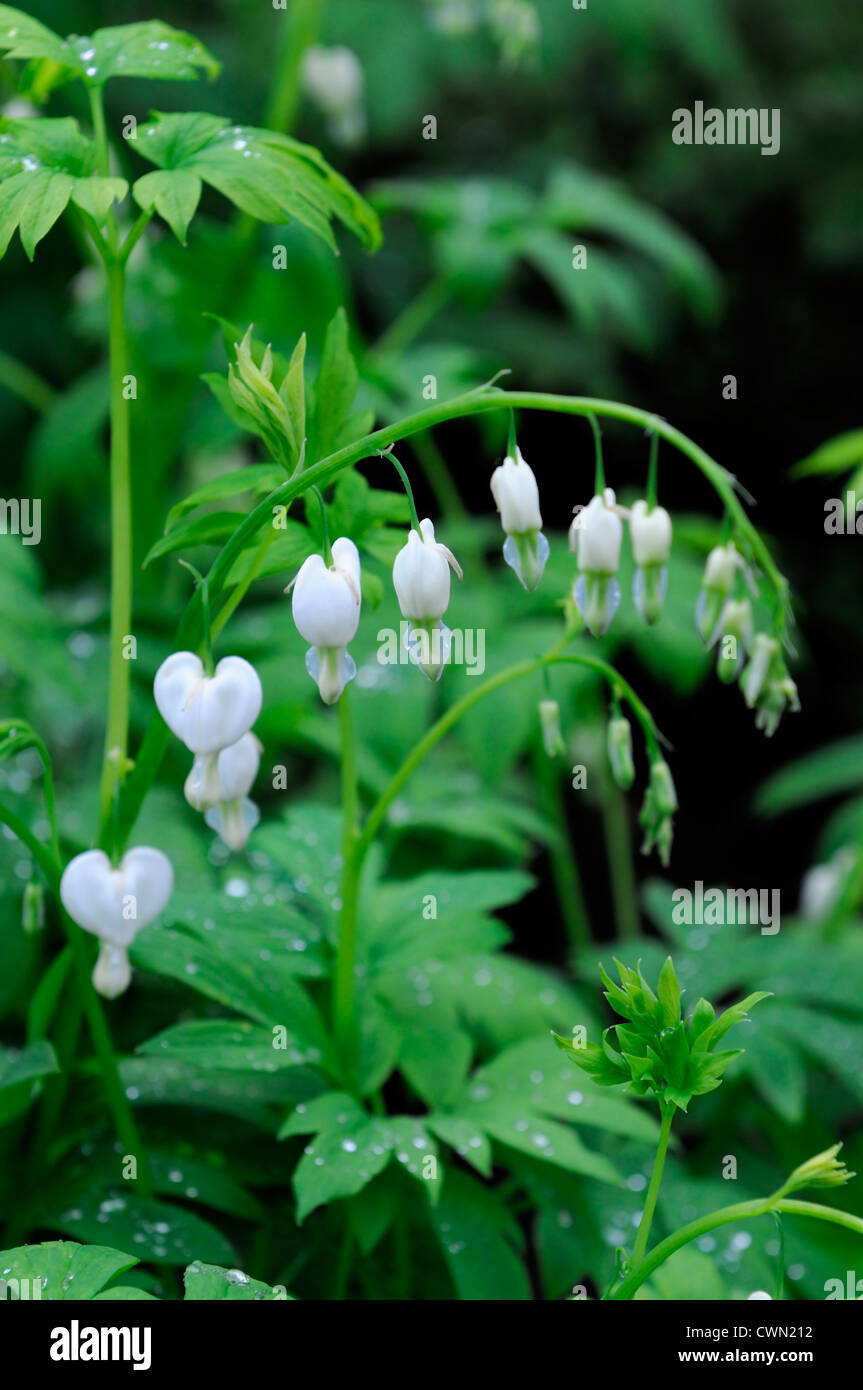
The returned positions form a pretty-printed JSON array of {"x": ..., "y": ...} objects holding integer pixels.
[
  {"x": 153, "y": 1230},
  {"x": 173, "y": 193},
  {"x": 268, "y": 176},
  {"x": 255, "y": 478},
  {"x": 95, "y": 195},
  {"x": 211, "y": 529},
  {"x": 233, "y": 1046}
]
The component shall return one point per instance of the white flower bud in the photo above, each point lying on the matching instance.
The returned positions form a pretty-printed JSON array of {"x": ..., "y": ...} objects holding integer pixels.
[
  {"x": 421, "y": 576},
  {"x": 516, "y": 495},
  {"x": 650, "y": 532},
  {"x": 720, "y": 570},
  {"x": 764, "y": 651},
  {"x": 115, "y": 904},
  {"x": 207, "y": 712},
  {"x": 422, "y": 583},
  {"x": 735, "y": 622},
  {"x": 597, "y": 533},
  {"x": 220, "y": 784},
  {"x": 326, "y": 608}
]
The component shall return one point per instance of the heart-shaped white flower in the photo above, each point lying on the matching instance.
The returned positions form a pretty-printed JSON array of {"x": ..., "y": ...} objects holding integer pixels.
[
  {"x": 115, "y": 904},
  {"x": 207, "y": 712}
]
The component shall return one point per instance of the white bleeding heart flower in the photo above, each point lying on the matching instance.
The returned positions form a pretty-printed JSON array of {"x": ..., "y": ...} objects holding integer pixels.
[
  {"x": 421, "y": 580},
  {"x": 516, "y": 497},
  {"x": 219, "y": 784},
  {"x": 596, "y": 535},
  {"x": 720, "y": 572},
  {"x": 650, "y": 532},
  {"x": 115, "y": 904},
  {"x": 335, "y": 80},
  {"x": 207, "y": 712},
  {"x": 326, "y": 608}
]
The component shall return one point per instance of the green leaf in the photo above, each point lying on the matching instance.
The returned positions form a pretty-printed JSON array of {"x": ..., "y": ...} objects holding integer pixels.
[
  {"x": 211, "y": 529},
  {"x": 480, "y": 1242},
  {"x": 35, "y": 1060},
  {"x": 152, "y": 1230},
  {"x": 324, "y": 1112},
  {"x": 232, "y": 1046},
  {"x": 95, "y": 195},
  {"x": 125, "y": 1293},
  {"x": 148, "y": 49},
  {"x": 42, "y": 161},
  {"x": 335, "y": 389},
  {"x": 214, "y": 1284},
  {"x": 268, "y": 176},
  {"x": 256, "y": 478},
  {"x": 466, "y": 1137},
  {"x": 121, "y": 1293},
  {"x": 826, "y": 772},
  {"x": 668, "y": 991},
  {"x": 68, "y": 1272},
  {"x": 578, "y": 199},
  {"x": 21, "y": 36},
  {"x": 339, "y": 1163},
  {"x": 838, "y": 455},
  {"x": 174, "y": 194}
]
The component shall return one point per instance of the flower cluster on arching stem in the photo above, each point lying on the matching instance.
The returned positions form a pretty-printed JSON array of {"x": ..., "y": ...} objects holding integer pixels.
[
  {"x": 725, "y": 616},
  {"x": 658, "y": 1051}
]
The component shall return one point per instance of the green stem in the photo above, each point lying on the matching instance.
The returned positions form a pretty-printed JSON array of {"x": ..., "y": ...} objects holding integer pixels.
[
  {"x": 302, "y": 26},
  {"x": 472, "y": 403},
  {"x": 134, "y": 235},
  {"x": 412, "y": 506},
  {"x": 118, "y": 1103},
  {"x": 117, "y": 732},
  {"x": 49, "y": 865},
  {"x": 564, "y": 867},
  {"x": 618, "y": 848},
  {"x": 740, "y": 1211},
  {"x": 653, "y": 1190},
  {"x": 344, "y": 982},
  {"x": 455, "y": 712},
  {"x": 100, "y": 135}
]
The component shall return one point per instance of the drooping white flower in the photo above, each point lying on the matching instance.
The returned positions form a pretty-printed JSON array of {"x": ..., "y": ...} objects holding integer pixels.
[
  {"x": 767, "y": 687},
  {"x": 650, "y": 532},
  {"x": 596, "y": 535},
  {"x": 516, "y": 497},
  {"x": 735, "y": 633},
  {"x": 822, "y": 884},
  {"x": 219, "y": 784},
  {"x": 334, "y": 79},
  {"x": 421, "y": 580},
  {"x": 326, "y": 606},
  {"x": 115, "y": 904},
  {"x": 720, "y": 571},
  {"x": 207, "y": 712}
]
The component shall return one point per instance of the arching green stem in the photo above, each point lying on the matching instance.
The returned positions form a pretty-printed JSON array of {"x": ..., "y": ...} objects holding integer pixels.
[
  {"x": 740, "y": 1211},
  {"x": 357, "y": 848}
]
